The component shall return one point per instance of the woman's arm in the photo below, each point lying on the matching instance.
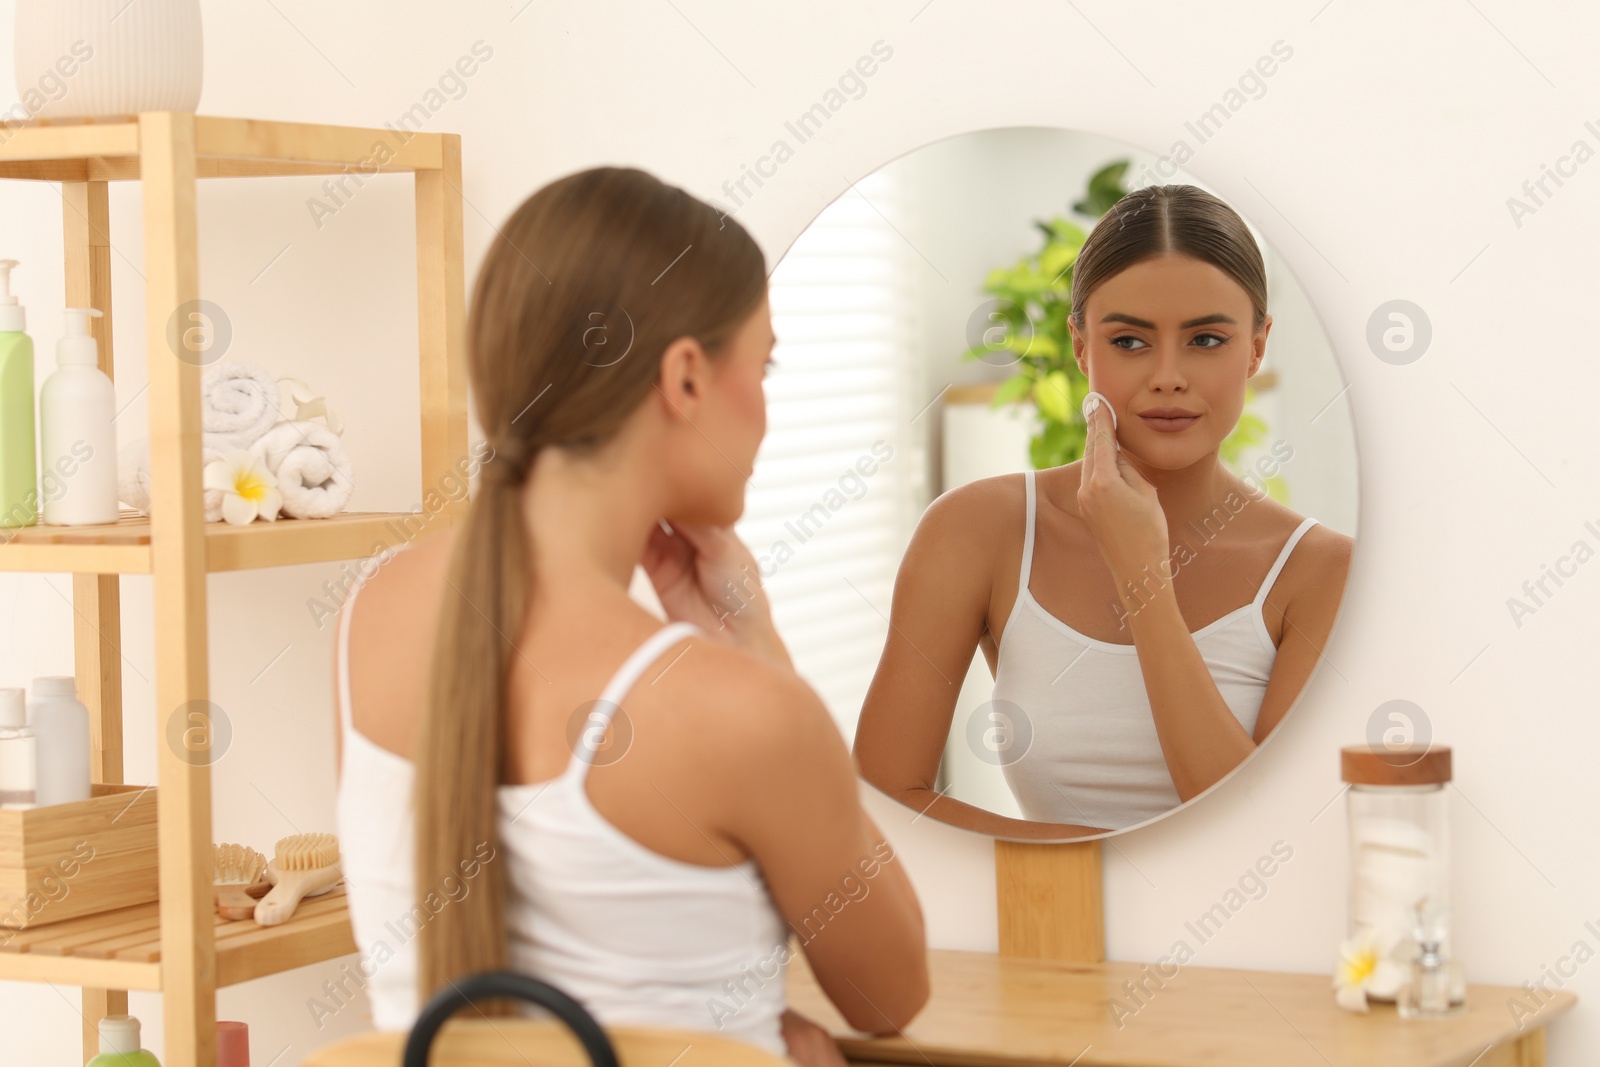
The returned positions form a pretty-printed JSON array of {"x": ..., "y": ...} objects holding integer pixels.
[
  {"x": 794, "y": 804},
  {"x": 1201, "y": 739},
  {"x": 1200, "y": 736},
  {"x": 939, "y": 610}
]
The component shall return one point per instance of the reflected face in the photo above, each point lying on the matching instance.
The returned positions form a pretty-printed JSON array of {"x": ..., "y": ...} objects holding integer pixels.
[{"x": 1168, "y": 341}]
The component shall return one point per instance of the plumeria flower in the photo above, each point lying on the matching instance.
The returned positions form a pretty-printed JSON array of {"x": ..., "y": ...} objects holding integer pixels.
[
  {"x": 1367, "y": 965},
  {"x": 248, "y": 488},
  {"x": 298, "y": 403}
]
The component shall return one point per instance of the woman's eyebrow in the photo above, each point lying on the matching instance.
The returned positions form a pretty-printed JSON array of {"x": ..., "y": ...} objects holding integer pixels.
[{"x": 1204, "y": 320}]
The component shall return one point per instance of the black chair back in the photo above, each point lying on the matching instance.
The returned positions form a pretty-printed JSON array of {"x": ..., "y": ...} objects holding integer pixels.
[{"x": 489, "y": 984}]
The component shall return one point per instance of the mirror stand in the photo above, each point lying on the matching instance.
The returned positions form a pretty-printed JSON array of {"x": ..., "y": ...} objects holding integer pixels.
[{"x": 1050, "y": 899}]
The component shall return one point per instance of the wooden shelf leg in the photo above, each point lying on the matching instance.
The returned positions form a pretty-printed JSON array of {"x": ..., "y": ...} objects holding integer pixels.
[
  {"x": 96, "y": 598},
  {"x": 1050, "y": 901},
  {"x": 441, "y": 323},
  {"x": 178, "y": 561}
]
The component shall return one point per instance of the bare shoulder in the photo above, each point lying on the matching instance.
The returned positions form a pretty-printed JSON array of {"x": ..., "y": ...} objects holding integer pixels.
[
  {"x": 1324, "y": 549},
  {"x": 392, "y": 631},
  {"x": 763, "y": 749},
  {"x": 744, "y": 709},
  {"x": 973, "y": 514},
  {"x": 1318, "y": 568},
  {"x": 409, "y": 578}
]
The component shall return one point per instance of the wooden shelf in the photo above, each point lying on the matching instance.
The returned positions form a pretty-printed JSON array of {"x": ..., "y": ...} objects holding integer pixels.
[
  {"x": 108, "y": 149},
  {"x": 170, "y": 946},
  {"x": 122, "y": 949},
  {"x": 123, "y": 547}
]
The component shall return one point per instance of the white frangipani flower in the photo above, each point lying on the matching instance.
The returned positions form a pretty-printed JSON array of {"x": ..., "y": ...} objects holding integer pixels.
[
  {"x": 1367, "y": 964},
  {"x": 248, "y": 488},
  {"x": 298, "y": 402}
]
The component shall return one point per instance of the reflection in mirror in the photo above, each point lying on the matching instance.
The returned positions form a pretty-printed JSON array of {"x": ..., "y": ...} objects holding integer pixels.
[{"x": 1033, "y": 624}]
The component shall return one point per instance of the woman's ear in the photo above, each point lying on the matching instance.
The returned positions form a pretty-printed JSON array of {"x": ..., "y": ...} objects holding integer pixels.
[
  {"x": 683, "y": 375},
  {"x": 1079, "y": 353},
  {"x": 1258, "y": 345}
]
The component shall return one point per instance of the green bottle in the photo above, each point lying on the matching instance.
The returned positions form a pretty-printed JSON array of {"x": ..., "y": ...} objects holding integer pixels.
[
  {"x": 19, "y": 465},
  {"x": 119, "y": 1044}
]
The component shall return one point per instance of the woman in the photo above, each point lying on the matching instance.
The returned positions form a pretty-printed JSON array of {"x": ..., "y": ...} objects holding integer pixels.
[
  {"x": 1148, "y": 616},
  {"x": 650, "y": 858}
]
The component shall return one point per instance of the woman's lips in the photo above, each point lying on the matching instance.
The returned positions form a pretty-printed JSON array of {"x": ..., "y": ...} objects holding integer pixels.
[{"x": 1169, "y": 425}]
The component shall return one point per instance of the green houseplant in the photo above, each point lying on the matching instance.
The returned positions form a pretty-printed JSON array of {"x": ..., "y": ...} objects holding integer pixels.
[{"x": 1024, "y": 326}]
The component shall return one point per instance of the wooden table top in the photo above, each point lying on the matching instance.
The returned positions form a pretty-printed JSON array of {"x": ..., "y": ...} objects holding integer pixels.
[{"x": 990, "y": 1011}]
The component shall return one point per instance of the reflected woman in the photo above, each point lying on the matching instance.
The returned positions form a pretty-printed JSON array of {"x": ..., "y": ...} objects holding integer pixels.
[{"x": 1148, "y": 616}]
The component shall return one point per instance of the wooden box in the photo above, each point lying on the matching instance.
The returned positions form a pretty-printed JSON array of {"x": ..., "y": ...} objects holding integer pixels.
[{"x": 65, "y": 860}]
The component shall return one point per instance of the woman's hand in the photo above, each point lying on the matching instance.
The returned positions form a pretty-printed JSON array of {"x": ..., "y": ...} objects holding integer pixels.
[
  {"x": 706, "y": 575},
  {"x": 1121, "y": 508},
  {"x": 809, "y": 1044}
]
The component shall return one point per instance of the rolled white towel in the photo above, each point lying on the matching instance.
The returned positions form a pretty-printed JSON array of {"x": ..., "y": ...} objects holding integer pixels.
[
  {"x": 312, "y": 467},
  {"x": 133, "y": 474},
  {"x": 238, "y": 403}
]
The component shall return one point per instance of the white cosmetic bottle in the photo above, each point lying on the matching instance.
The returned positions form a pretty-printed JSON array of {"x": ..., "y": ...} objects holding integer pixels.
[
  {"x": 77, "y": 435},
  {"x": 61, "y": 725},
  {"x": 18, "y": 767}
]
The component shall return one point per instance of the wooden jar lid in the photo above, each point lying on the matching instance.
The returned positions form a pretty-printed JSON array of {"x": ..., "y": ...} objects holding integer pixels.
[{"x": 1411, "y": 765}]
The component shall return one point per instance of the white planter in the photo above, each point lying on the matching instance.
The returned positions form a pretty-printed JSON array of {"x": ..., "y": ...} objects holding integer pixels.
[
  {"x": 99, "y": 58},
  {"x": 980, "y": 441}
]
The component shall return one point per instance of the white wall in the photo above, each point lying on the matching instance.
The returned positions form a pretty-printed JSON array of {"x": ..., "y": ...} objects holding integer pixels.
[{"x": 1378, "y": 163}]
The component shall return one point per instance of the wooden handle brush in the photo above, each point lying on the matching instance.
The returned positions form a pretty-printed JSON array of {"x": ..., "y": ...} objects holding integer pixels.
[
  {"x": 234, "y": 870},
  {"x": 301, "y": 865}
]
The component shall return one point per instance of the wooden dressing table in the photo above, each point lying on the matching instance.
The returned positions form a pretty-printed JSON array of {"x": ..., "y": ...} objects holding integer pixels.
[{"x": 1044, "y": 1000}]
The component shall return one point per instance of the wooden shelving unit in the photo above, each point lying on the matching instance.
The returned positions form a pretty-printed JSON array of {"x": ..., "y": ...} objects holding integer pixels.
[
  {"x": 178, "y": 946},
  {"x": 123, "y": 547},
  {"x": 125, "y": 944}
]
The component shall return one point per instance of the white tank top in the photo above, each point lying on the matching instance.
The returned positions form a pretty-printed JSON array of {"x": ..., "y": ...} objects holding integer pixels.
[
  {"x": 637, "y": 937},
  {"x": 1082, "y": 743}
]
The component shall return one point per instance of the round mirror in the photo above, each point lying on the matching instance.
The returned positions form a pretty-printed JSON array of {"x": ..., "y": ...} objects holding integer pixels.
[{"x": 1031, "y": 623}]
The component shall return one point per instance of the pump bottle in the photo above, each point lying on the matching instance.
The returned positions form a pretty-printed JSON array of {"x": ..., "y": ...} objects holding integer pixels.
[
  {"x": 119, "y": 1044},
  {"x": 77, "y": 435},
  {"x": 19, "y": 487}
]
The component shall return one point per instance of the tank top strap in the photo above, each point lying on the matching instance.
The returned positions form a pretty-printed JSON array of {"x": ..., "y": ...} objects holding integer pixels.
[
  {"x": 343, "y": 653},
  {"x": 1283, "y": 557},
  {"x": 1027, "y": 534},
  {"x": 639, "y": 660}
]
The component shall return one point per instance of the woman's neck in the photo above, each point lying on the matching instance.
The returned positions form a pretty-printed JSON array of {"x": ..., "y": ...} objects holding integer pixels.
[
  {"x": 1198, "y": 499},
  {"x": 588, "y": 517}
]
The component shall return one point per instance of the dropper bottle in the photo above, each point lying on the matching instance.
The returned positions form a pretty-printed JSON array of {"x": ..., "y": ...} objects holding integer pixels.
[{"x": 19, "y": 467}]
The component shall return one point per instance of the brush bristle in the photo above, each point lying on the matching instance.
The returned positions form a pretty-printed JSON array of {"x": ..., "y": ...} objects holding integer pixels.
[
  {"x": 236, "y": 865},
  {"x": 304, "y": 852}
]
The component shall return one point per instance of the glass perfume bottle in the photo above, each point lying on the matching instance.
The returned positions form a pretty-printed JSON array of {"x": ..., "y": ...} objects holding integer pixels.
[{"x": 1432, "y": 991}]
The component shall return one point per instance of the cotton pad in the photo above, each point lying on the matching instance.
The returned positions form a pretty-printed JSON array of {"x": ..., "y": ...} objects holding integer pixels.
[{"x": 1093, "y": 400}]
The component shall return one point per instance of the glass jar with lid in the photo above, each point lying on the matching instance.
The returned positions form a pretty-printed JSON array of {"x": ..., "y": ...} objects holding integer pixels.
[{"x": 1399, "y": 818}]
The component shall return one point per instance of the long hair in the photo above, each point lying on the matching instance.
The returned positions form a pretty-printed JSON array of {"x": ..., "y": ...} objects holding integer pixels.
[
  {"x": 1169, "y": 218},
  {"x": 585, "y": 284}
]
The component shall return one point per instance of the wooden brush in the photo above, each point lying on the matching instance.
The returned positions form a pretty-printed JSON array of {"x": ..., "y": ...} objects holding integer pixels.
[
  {"x": 302, "y": 865},
  {"x": 234, "y": 869}
]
